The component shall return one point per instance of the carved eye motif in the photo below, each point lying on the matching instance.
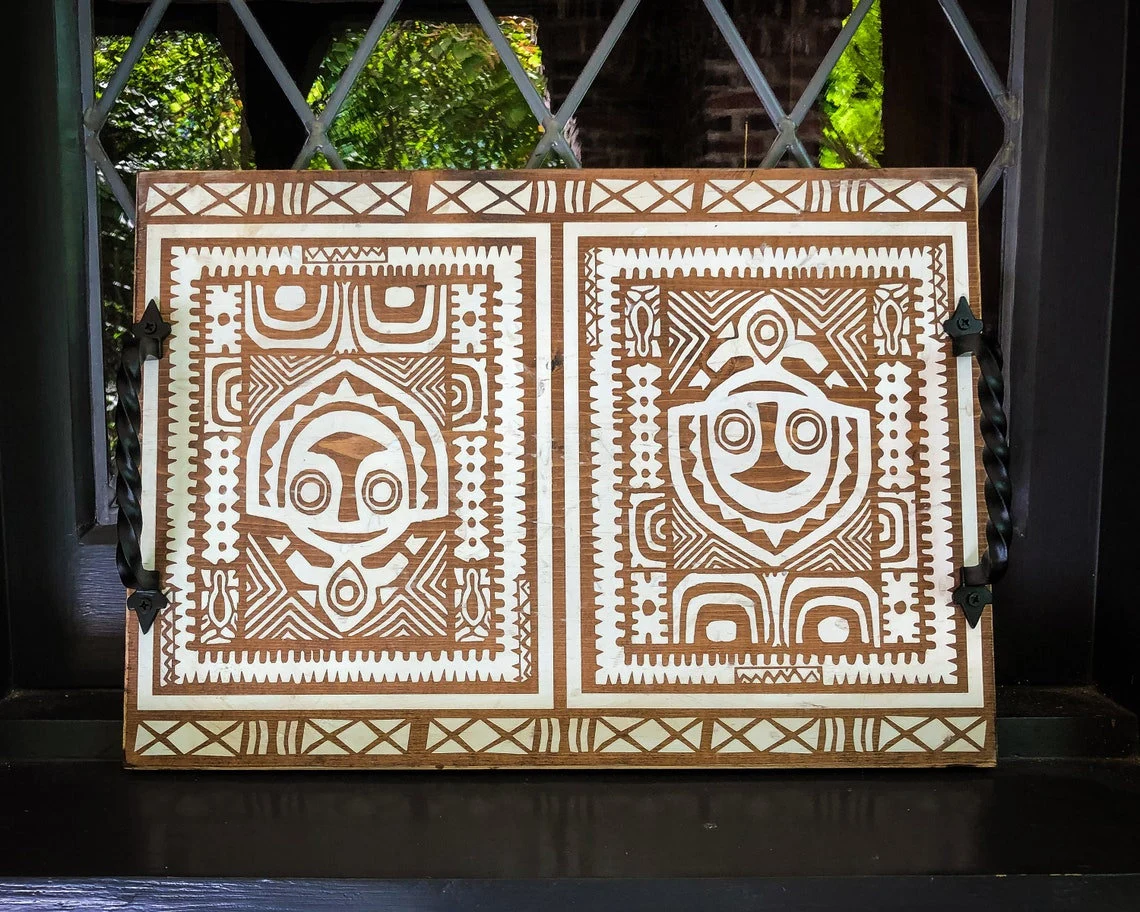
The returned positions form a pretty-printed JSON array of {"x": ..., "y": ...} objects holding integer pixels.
[
  {"x": 806, "y": 431},
  {"x": 383, "y": 491},
  {"x": 735, "y": 431},
  {"x": 310, "y": 492}
]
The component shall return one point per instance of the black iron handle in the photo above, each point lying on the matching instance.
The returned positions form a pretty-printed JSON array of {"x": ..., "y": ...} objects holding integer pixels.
[
  {"x": 144, "y": 343},
  {"x": 972, "y": 593}
]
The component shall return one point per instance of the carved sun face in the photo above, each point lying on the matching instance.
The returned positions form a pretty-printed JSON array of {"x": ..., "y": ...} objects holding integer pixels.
[
  {"x": 349, "y": 477},
  {"x": 767, "y": 452},
  {"x": 349, "y": 471},
  {"x": 770, "y": 453},
  {"x": 346, "y": 467}
]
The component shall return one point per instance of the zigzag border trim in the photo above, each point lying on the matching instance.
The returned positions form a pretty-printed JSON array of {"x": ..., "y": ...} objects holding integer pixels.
[
  {"x": 397, "y": 196},
  {"x": 577, "y": 739}
]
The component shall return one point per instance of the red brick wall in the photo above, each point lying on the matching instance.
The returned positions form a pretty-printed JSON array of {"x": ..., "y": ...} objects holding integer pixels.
[{"x": 671, "y": 93}]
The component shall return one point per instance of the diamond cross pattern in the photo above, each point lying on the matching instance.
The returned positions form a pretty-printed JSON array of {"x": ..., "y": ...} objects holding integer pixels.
[
  {"x": 1004, "y": 94},
  {"x": 515, "y": 736},
  {"x": 787, "y": 124},
  {"x": 360, "y": 736},
  {"x": 214, "y": 738},
  {"x": 934, "y": 734},
  {"x": 316, "y": 125},
  {"x": 554, "y": 124}
]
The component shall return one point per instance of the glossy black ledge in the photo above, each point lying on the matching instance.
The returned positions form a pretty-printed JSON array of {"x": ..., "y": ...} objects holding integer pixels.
[
  {"x": 1038, "y": 834},
  {"x": 1033, "y": 723}
]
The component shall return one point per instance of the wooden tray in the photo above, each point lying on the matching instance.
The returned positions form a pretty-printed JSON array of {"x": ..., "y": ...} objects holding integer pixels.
[{"x": 633, "y": 468}]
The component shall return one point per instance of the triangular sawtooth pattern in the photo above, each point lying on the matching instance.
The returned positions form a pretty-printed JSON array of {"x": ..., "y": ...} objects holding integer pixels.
[
  {"x": 695, "y": 547},
  {"x": 694, "y": 320},
  {"x": 423, "y": 378},
  {"x": 842, "y": 314},
  {"x": 419, "y": 606},
  {"x": 849, "y": 548},
  {"x": 271, "y": 375},
  {"x": 794, "y": 675},
  {"x": 270, "y": 611}
]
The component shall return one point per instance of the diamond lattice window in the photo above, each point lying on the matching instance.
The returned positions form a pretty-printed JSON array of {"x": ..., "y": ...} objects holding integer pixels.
[{"x": 789, "y": 108}]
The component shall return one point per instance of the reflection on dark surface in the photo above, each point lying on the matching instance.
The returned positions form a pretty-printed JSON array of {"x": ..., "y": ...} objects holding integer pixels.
[{"x": 1013, "y": 820}]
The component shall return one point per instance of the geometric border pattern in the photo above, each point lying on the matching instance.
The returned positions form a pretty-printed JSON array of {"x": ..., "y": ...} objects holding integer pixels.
[
  {"x": 334, "y": 661},
  {"x": 579, "y": 738},
  {"x": 653, "y": 260},
  {"x": 749, "y": 735},
  {"x": 260, "y": 197}
]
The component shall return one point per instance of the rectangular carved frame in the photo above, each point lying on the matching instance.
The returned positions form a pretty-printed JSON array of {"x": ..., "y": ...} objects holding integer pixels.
[{"x": 601, "y": 313}]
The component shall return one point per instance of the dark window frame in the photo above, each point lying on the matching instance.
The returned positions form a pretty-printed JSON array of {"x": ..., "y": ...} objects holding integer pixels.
[{"x": 62, "y": 597}]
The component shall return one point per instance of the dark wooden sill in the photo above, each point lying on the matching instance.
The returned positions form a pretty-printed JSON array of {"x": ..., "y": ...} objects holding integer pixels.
[
  {"x": 78, "y": 834},
  {"x": 1028, "y": 834},
  {"x": 974, "y": 893},
  {"x": 1033, "y": 723}
]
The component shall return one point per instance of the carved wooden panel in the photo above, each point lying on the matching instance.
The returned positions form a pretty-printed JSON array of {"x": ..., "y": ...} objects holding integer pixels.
[{"x": 553, "y": 469}]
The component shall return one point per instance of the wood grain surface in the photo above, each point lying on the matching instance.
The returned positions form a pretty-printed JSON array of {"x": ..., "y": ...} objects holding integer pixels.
[{"x": 661, "y": 468}]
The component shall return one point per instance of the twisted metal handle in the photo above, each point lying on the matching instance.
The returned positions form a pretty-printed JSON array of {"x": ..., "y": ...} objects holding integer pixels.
[
  {"x": 972, "y": 594},
  {"x": 145, "y": 342}
]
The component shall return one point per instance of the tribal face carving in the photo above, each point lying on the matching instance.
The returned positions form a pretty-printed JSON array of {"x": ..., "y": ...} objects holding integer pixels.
[
  {"x": 771, "y": 451},
  {"x": 767, "y": 456},
  {"x": 352, "y": 474},
  {"x": 352, "y": 465}
]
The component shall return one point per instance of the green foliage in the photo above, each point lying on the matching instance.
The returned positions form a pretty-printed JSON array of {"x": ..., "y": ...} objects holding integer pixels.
[
  {"x": 434, "y": 96},
  {"x": 852, "y": 105},
  {"x": 180, "y": 109},
  {"x": 430, "y": 96}
]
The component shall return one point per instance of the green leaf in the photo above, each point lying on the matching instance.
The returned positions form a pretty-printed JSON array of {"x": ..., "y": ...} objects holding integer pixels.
[{"x": 852, "y": 105}]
